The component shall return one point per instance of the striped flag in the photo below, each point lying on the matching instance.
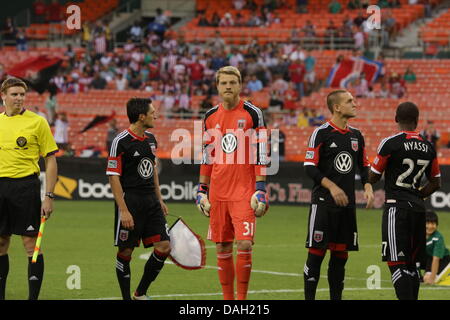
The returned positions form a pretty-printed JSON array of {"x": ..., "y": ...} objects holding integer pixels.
[{"x": 349, "y": 69}]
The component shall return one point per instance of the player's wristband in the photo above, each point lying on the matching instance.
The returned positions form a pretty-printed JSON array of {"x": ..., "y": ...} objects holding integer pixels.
[
  {"x": 203, "y": 188},
  {"x": 261, "y": 186}
]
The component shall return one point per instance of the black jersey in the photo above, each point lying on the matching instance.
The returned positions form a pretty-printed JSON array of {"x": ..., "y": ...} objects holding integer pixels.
[
  {"x": 336, "y": 153},
  {"x": 133, "y": 158},
  {"x": 405, "y": 158}
]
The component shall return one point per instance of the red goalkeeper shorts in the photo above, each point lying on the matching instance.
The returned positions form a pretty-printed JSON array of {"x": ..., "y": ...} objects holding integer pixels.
[{"x": 230, "y": 220}]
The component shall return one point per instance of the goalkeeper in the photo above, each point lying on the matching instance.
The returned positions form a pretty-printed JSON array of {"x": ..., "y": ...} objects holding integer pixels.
[{"x": 232, "y": 190}]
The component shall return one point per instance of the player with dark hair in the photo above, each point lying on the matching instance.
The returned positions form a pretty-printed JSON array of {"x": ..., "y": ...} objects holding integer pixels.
[
  {"x": 405, "y": 158},
  {"x": 335, "y": 152},
  {"x": 139, "y": 208},
  {"x": 233, "y": 192},
  {"x": 438, "y": 256},
  {"x": 24, "y": 138}
]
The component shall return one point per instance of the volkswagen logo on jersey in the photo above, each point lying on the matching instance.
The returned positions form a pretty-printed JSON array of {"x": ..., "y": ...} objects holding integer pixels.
[
  {"x": 145, "y": 168},
  {"x": 229, "y": 143},
  {"x": 343, "y": 162}
]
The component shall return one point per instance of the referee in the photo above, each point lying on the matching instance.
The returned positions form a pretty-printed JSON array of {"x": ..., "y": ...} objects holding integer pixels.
[{"x": 24, "y": 137}]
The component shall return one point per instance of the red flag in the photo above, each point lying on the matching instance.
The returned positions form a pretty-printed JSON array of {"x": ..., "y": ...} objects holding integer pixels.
[
  {"x": 98, "y": 120},
  {"x": 36, "y": 71}
]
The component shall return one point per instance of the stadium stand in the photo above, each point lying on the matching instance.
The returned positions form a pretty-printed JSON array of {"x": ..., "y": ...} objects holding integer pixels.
[{"x": 375, "y": 115}]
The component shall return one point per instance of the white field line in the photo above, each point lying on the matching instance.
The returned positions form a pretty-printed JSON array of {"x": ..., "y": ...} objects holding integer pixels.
[
  {"x": 209, "y": 294},
  {"x": 145, "y": 256}
]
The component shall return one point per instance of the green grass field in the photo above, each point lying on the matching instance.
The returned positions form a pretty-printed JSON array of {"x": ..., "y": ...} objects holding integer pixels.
[{"x": 81, "y": 234}]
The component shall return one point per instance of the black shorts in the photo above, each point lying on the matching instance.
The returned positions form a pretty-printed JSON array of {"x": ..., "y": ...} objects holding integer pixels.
[
  {"x": 331, "y": 227},
  {"x": 20, "y": 206},
  {"x": 403, "y": 235},
  {"x": 150, "y": 225}
]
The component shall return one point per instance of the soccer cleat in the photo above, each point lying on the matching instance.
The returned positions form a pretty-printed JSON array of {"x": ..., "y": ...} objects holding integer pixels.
[
  {"x": 202, "y": 200},
  {"x": 143, "y": 297},
  {"x": 259, "y": 203}
]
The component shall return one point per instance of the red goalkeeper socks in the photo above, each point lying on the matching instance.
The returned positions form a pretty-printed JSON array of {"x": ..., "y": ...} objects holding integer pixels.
[
  {"x": 226, "y": 274},
  {"x": 243, "y": 270}
]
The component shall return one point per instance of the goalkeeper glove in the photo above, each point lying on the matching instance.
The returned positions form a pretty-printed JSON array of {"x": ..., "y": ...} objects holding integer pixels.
[
  {"x": 259, "y": 201},
  {"x": 202, "y": 199}
]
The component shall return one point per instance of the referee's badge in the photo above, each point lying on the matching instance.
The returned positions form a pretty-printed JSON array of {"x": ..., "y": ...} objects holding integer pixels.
[
  {"x": 21, "y": 141},
  {"x": 355, "y": 145}
]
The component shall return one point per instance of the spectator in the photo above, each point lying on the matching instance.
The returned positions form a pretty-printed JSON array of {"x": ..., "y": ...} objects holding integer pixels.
[
  {"x": 365, "y": 3},
  {"x": 388, "y": 26},
  {"x": 61, "y": 133},
  {"x": 54, "y": 12},
  {"x": 254, "y": 85},
  {"x": 111, "y": 133},
  {"x": 9, "y": 31},
  {"x": 254, "y": 20},
  {"x": 384, "y": 91},
  {"x": 136, "y": 32},
  {"x": 354, "y": 4},
  {"x": 86, "y": 35},
  {"x": 251, "y": 5},
  {"x": 135, "y": 82},
  {"x": 397, "y": 87},
  {"x": 358, "y": 21},
  {"x": 359, "y": 39},
  {"x": 361, "y": 87},
  {"x": 98, "y": 82},
  {"x": 297, "y": 54},
  {"x": 226, "y": 21},
  {"x": 240, "y": 20},
  {"x": 334, "y": 7},
  {"x": 331, "y": 33},
  {"x": 409, "y": 75},
  {"x": 21, "y": 40},
  {"x": 215, "y": 20},
  {"x": 302, "y": 6},
  {"x": 239, "y": 4},
  {"x": 275, "y": 101},
  {"x": 383, "y": 3},
  {"x": 203, "y": 21},
  {"x": 39, "y": 8},
  {"x": 51, "y": 104},
  {"x": 303, "y": 118},
  {"x": 160, "y": 24},
  {"x": 217, "y": 44},
  {"x": 431, "y": 134},
  {"x": 279, "y": 85},
  {"x": 168, "y": 104},
  {"x": 309, "y": 30},
  {"x": 121, "y": 82},
  {"x": 100, "y": 45},
  {"x": 297, "y": 74},
  {"x": 310, "y": 74},
  {"x": 316, "y": 119},
  {"x": 290, "y": 119},
  {"x": 206, "y": 104},
  {"x": 291, "y": 97}
]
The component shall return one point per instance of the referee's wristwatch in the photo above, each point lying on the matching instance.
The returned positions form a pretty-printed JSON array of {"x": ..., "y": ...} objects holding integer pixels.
[{"x": 51, "y": 195}]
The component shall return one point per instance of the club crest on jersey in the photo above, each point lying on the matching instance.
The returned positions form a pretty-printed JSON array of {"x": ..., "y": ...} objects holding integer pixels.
[
  {"x": 318, "y": 236},
  {"x": 343, "y": 162},
  {"x": 309, "y": 155},
  {"x": 112, "y": 164},
  {"x": 355, "y": 145},
  {"x": 21, "y": 141},
  {"x": 123, "y": 235},
  {"x": 145, "y": 168},
  {"x": 241, "y": 124},
  {"x": 229, "y": 143}
]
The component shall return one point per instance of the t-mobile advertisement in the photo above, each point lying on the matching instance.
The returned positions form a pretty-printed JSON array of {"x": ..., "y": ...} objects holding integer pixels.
[{"x": 85, "y": 179}]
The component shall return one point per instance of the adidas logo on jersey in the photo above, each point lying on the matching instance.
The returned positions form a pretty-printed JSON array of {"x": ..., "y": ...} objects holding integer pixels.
[
  {"x": 401, "y": 254},
  {"x": 136, "y": 154},
  {"x": 333, "y": 145},
  {"x": 30, "y": 228}
]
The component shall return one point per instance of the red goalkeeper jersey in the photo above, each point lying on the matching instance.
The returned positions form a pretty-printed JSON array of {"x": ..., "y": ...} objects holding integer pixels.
[{"x": 234, "y": 150}]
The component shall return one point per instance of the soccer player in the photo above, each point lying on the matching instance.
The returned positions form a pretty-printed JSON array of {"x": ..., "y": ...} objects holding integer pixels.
[
  {"x": 405, "y": 158},
  {"x": 335, "y": 152},
  {"x": 139, "y": 208},
  {"x": 228, "y": 183},
  {"x": 24, "y": 138},
  {"x": 438, "y": 256}
]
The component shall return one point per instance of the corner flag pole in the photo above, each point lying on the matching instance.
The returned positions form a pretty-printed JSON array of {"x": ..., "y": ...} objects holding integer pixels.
[{"x": 38, "y": 240}]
